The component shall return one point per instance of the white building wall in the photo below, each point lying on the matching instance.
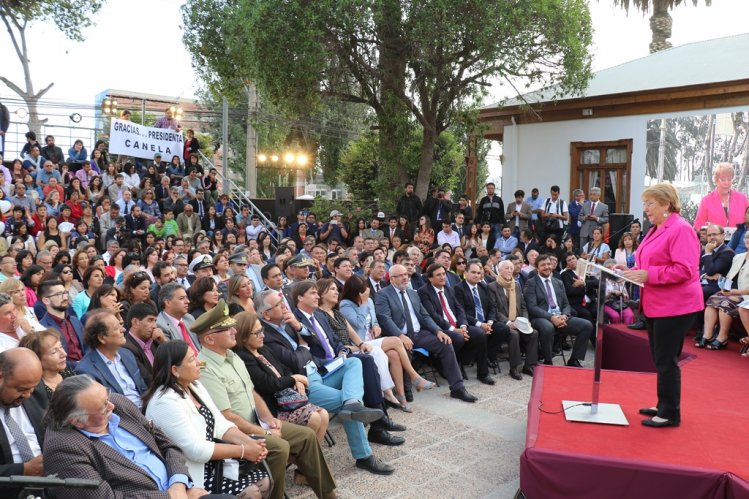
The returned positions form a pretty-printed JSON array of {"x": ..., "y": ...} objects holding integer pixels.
[{"x": 538, "y": 154}]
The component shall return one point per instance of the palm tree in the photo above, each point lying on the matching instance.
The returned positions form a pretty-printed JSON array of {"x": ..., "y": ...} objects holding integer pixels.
[{"x": 660, "y": 21}]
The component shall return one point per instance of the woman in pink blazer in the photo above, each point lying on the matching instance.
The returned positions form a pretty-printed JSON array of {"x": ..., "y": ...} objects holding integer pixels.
[
  {"x": 667, "y": 263},
  {"x": 724, "y": 206}
]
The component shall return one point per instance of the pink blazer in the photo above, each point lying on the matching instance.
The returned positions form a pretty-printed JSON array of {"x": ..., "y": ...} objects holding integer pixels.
[
  {"x": 711, "y": 210},
  {"x": 671, "y": 255}
]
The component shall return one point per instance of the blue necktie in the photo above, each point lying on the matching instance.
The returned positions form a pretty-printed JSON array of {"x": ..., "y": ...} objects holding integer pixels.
[{"x": 477, "y": 303}]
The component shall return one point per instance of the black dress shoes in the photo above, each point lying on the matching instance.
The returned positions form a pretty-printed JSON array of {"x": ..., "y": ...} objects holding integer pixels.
[
  {"x": 374, "y": 465},
  {"x": 574, "y": 363},
  {"x": 357, "y": 412},
  {"x": 528, "y": 370},
  {"x": 648, "y": 411},
  {"x": 660, "y": 424},
  {"x": 515, "y": 373},
  {"x": 388, "y": 424},
  {"x": 639, "y": 325},
  {"x": 462, "y": 394},
  {"x": 487, "y": 380},
  {"x": 383, "y": 437}
]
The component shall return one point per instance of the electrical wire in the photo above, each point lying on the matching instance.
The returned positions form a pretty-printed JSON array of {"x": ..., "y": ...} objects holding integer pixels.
[{"x": 541, "y": 404}]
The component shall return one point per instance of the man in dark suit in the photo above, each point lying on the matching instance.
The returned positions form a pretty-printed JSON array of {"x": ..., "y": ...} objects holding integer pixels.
[
  {"x": 437, "y": 208},
  {"x": 137, "y": 224},
  {"x": 199, "y": 204},
  {"x": 23, "y": 402},
  {"x": 173, "y": 319},
  {"x": 443, "y": 258},
  {"x": 595, "y": 213},
  {"x": 143, "y": 338},
  {"x": 81, "y": 413},
  {"x": 109, "y": 363},
  {"x": 282, "y": 335},
  {"x": 57, "y": 300},
  {"x": 468, "y": 340},
  {"x": 325, "y": 346},
  {"x": 392, "y": 230},
  {"x": 715, "y": 261},
  {"x": 401, "y": 314},
  {"x": 581, "y": 291},
  {"x": 376, "y": 279},
  {"x": 550, "y": 313},
  {"x": 459, "y": 226},
  {"x": 501, "y": 292}
]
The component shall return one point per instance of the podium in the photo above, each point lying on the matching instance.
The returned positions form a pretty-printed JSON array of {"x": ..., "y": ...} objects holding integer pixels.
[{"x": 593, "y": 411}]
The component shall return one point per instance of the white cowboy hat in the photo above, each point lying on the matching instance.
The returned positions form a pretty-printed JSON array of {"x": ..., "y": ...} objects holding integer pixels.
[{"x": 523, "y": 325}]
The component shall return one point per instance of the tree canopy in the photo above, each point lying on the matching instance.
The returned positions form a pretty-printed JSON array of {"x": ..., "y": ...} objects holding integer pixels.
[{"x": 421, "y": 62}]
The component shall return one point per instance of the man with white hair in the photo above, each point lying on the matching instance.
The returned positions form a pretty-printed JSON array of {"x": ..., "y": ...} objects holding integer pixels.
[{"x": 595, "y": 213}]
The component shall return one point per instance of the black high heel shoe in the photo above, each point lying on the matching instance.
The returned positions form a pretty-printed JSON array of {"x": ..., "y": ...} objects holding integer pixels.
[
  {"x": 702, "y": 343},
  {"x": 715, "y": 344}
]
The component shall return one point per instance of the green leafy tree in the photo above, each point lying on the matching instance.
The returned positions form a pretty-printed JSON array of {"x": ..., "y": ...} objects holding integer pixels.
[
  {"x": 660, "y": 21},
  {"x": 422, "y": 62},
  {"x": 71, "y": 17}
]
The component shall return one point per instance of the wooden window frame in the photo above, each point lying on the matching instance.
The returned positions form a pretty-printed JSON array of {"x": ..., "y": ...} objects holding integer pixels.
[{"x": 576, "y": 149}]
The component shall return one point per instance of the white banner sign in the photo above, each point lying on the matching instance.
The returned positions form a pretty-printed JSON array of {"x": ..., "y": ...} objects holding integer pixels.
[{"x": 132, "y": 139}]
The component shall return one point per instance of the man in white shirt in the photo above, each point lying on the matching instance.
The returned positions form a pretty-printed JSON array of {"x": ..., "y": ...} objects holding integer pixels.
[
  {"x": 556, "y": 215},
  {"x": 8, "y": 337},
  {"x": 254, "y": 229},
  {"x": 447, "y": 235}
]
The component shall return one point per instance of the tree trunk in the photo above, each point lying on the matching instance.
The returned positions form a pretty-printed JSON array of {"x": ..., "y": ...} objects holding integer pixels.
[
  {"x": 426, "y": 163},
  {"x": 660, "y": 25},
  {"x": 18, "y": 38},
  {"x": 393, "y": 116}
]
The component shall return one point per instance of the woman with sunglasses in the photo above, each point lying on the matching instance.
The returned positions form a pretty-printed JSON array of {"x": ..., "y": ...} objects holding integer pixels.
[
  {"x": 458, "y": 265},
  {"x": 65, "y": 273},
  {"x": 148, "y": 204}
]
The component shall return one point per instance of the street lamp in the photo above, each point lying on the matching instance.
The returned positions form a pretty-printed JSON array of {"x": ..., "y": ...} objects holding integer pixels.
[{"x": 109, "y": 106}]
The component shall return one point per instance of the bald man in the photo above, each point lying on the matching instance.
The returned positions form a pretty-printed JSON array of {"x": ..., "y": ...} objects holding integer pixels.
[{"x": 22, "y": 407}]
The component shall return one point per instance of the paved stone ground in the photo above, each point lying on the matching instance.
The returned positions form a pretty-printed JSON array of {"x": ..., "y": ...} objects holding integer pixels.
[{"x": 452, "y": 450}]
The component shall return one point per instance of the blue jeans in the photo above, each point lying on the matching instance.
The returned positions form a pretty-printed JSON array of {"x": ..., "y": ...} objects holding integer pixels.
[{"x": 333, "y": 391}]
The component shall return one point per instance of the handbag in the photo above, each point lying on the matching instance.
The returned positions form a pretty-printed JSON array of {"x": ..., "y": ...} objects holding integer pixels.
[{"x": 289, "y": 400}]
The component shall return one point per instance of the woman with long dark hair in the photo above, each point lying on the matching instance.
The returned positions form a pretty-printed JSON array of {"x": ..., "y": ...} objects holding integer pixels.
[
  {"x": 31, "y": 278},
  {"x": 179, "y": 405},
  {"x": 203, "y": 295},
  {"x": 136, "y": 289}
]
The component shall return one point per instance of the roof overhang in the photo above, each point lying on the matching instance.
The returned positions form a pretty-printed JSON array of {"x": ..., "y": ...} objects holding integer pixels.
[{"x": 663, "y": 100}]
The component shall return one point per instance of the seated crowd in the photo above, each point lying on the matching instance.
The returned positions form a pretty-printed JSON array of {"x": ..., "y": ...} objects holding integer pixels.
[{"x": 160, "y": 323}]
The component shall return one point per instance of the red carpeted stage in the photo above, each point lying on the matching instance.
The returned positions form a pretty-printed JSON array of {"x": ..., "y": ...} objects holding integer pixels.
[{"x": 706, "y": 457}]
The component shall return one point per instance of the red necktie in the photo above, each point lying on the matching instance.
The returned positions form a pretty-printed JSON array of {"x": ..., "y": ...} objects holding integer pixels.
[
  {"x": 186, "y": 337},
  {"x": 446, "y": 311}
]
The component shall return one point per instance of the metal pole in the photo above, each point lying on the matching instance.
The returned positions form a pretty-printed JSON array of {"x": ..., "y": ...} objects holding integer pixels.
[
  {"x": 143, "y": 112},
  {"x": 251, "y": 173},
  {"x": 662, "y": 151},
  {"x": 225, "y": 144}
]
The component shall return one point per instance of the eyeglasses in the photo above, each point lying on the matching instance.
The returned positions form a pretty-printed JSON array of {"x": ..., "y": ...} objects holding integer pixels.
[
  {"x": 460, "y": 263},
  {"x": 67, "y": 271},
  {"x": 714, "y": 234},
  {"x": 55, "y": 295},
  {"x": 259, "y": 334}
]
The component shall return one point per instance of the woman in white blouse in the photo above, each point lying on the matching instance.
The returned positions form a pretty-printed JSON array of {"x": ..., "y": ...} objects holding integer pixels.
[{"x": 178, "y": 404}]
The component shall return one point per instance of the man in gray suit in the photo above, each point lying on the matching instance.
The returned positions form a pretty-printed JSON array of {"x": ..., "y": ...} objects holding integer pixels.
[
  {"x": 81, "y": 414},
  {"x": 551, "y": 314},
  {"x": 595, "y": 213},
  {"x": 174, "y": 319},
  {"x": 401, "y": 314}
]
